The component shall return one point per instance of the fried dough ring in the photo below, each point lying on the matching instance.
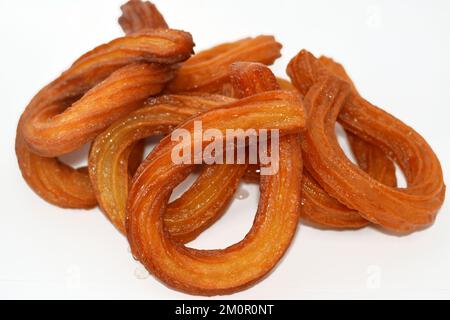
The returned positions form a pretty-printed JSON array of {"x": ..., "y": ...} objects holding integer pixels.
[
  {"x": 322, "y": 210},
  {"x": 400, "y": 210},
  {"x": 197, "y": 208},
  {"x": 213, "y": 272},
  {"x": 318, "y": 207},
  {"x": 56, "y": 182},
  {"x": 50, "y": 131}
]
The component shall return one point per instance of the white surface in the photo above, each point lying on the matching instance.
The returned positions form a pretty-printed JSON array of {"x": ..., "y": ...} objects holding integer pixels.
[{"x": 396, "y": 51}]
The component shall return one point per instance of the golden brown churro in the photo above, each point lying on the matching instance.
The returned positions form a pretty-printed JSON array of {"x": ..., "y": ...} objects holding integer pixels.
[
  {"x": 329, "y": 97},
  {"x": 222, "y": 271}
]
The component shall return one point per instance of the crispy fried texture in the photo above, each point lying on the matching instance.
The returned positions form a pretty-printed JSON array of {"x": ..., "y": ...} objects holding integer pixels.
[
  {"x": 58, "y": 183},
  {"x": 50, "y": 131},
  {"x": 109, "y": 88},
  {"x": 322, "y": 210},
  {"x": 329, "y": 97},
  {"x": 102, "y": 86},
  {"x": 318, "y": 207},
  {"x": 208, "y": 71},
  {"x": 250, "y": 78},
  {"x": 138, "y": 16},
  {"x": 369, "y": 157},
  {"x": 373, "y": 160},
  {"x": 221, "y": 271},
  {"x": 285, "y": 84},
  {"x": 198, "y": 207},
  {"x": 204, "y": 202},
  {"x": 54, "y": 181}
]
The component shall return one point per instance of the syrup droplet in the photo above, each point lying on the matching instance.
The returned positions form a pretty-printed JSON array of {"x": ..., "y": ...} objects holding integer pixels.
[
  {"x": 141, "y": 273},
  {"x": 242, "y": 194}
]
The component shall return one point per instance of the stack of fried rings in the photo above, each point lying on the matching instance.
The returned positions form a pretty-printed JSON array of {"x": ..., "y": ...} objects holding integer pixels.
[{"x": 147, "y": 84}]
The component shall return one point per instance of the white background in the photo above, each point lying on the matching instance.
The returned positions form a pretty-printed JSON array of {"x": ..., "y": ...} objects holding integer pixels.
[{"x": 396, "y": 51}]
